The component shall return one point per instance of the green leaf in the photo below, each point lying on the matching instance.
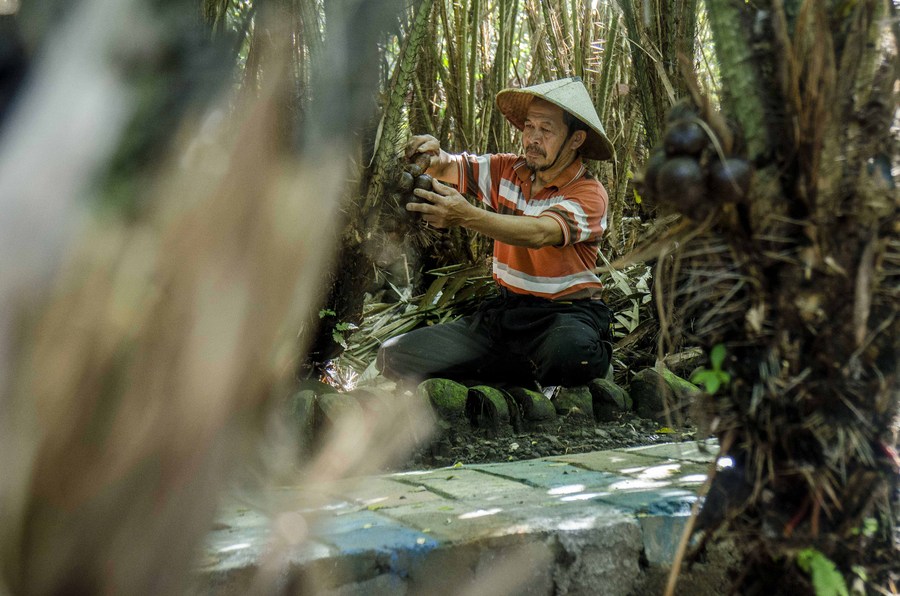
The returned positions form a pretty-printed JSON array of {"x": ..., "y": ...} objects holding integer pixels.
[
  {"x": 826, "y": 579},
  {"x": 870, "y": 526},
  {"x": 709, "y": 379},
  {"x": 338, "y": 338},
  {"x": 717, "y": 356},
  {"x": 326, "y": 312}
]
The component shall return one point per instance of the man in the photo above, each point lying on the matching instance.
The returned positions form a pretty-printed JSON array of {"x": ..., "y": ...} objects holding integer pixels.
[{"x": 548, "y": 325}]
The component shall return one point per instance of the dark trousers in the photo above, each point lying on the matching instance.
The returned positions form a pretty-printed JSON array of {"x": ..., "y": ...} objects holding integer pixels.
[{"x": 511, "y": 339}]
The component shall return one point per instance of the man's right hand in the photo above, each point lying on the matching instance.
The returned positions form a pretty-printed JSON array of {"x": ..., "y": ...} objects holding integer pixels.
[
  {"x": 423, "y": 145},
  {"x": 440, "y": 165}
]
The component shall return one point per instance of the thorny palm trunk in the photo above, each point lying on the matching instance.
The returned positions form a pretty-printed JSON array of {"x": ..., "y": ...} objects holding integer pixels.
[
  {"x": 805, "y": 294},
  {"x": 364, "y": 237}
]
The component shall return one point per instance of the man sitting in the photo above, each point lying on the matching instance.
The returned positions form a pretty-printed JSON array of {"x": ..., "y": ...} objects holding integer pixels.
[{"x": 547, "y": 215}]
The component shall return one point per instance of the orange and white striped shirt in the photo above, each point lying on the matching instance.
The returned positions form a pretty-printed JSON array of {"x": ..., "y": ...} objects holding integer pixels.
[{"x": 575, "y": 199}]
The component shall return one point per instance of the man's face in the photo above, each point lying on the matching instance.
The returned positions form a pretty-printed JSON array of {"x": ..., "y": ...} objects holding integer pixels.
[{"x": 544, "y": 133}]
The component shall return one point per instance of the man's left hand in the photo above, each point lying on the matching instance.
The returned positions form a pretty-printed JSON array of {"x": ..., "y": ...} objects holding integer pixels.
[{"x": 445, "y": 207}]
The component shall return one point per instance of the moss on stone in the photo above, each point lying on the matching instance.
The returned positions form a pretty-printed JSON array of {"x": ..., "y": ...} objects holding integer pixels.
[
  {"x": 534, "y": 405},
  {"x": 608, "y": 400},
  {"x": 650, "y": 394},
  {"x": 486, "y": 407},
  {"x": 683, "y": 389},
  {"x": 447, "y": 398},
  {"x": 332, "y": 407},
  {"x": 575, "y": 401}
]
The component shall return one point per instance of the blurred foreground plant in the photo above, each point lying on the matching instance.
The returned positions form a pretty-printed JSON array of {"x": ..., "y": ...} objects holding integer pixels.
[{"x": 141, "y": 361}]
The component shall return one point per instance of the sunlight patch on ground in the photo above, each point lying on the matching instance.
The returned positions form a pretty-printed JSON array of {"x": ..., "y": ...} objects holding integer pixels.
[
  {"x": 653, "y": 472},
  {"x": 634, "y": 484},
  {"x": 725, "y": 462},
  {"x": 583, "y": 497},
  {"x": 566, "y": 490},
  {"x": 480, "y": 513},
  {"x": 693, "y": 479}
]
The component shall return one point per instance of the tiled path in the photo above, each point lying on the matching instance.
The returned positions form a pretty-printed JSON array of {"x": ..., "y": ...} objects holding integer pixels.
[{"x": 577, "y": 524}]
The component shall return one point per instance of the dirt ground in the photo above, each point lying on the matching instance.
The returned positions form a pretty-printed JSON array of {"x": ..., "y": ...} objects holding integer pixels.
[{"x": 567, "y": 434}]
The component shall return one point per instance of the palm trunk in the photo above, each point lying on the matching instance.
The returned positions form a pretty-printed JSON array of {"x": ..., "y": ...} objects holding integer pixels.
[
  {"x": 354, "y": 271},
  {"x": 799, "y": 284}
]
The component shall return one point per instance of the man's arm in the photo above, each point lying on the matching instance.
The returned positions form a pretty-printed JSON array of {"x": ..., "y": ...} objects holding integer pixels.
[
  {"x": 447, "y": 208},
  {"x": 442, "y": 166}
]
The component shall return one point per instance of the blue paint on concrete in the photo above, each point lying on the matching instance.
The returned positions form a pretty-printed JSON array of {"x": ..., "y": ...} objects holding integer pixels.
[
  {"x": 368, "y": 550},
  {"x": 678, "y": 506},
  {"x": 665, "y": 501},
  {"x": 661, "y": 535},
  {"x": 397, "y": 546}
]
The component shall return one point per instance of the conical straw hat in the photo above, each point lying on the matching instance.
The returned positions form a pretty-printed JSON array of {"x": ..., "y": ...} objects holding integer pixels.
[{"x": 569, "y": 94}]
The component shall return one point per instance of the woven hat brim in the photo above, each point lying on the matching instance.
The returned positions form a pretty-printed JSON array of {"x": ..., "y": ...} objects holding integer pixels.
[{"x": 568, "y": 94}]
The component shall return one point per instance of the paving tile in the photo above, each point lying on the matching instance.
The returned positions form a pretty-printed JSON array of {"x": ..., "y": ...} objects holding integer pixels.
[
  {"x": 588, "y": 514},
  {"x": 645, "y": 471},
  {"x": 378, "y": 493},
  {"x": 464, "y": 483},
  {"x": 307, "y": 499},
  {"x": 363, "y": 531},
  {"x": 688, "y": 450},
  {"x": 455, "y": 521},
  {"x": 606, "y": 461},
  {"x": 689, "y": 480},
  {"x": 238, "y": 547},
  {"x": 547, "y": 474},
  {"x": 676, "y": 473},
  {"x": 653, "y": 501}
]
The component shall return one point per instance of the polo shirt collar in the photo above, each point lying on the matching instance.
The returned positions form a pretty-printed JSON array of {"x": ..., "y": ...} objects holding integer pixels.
[{"x": 573, "y": 172}]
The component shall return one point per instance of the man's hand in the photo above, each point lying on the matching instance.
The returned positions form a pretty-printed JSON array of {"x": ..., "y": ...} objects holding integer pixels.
[
  {"x": 445, "y": 208},
  {"x": 424, "y": 144},
  {"x": 440, "y": 166}
]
